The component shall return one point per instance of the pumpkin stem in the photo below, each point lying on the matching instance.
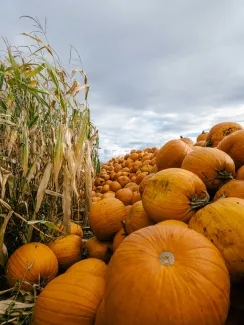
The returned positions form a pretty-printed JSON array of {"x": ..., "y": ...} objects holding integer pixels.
[
  {"x": 208, "y": 143},
  {"x": 199, "y": 203},
  {"x": 203, "y": 132},
  {"x": 166, "y": 258},
  {"x": 223, "y": 174},
  {"x": 181, "y": 137}
]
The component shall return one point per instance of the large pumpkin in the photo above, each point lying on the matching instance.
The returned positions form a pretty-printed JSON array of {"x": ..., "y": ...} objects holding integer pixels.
[
  {"x": 91, "y": 265},
  {"x": 137, "y": 218},
  {"x": 105, "y": 218},
  {"x": 213, "y": 166},
  {"x": 222, "y": 222},
  {"x": 172, "y": 222},
  {"x": 32, "y": 263},
  {"x": 102, "y": 250},
  {"x": 67, "y": 250},
  {"x": 69, "y": 299},
  {"x": 166, "y": 275},
  {"x": 240, "y": 173},
  {"x": 219, "y": 131},
  {"x": 174, "y": 193},
  {"x": 172, "y": 154},
  {"x": 233, "y": 145},
  {"x": 233, "y": 188}
]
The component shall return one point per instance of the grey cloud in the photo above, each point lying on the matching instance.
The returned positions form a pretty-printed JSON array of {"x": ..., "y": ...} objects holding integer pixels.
[{"x": 145, "y": 60}]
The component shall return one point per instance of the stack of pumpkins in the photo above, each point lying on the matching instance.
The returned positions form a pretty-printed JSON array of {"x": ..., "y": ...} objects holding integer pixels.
[{"x": 168, "y": 239}]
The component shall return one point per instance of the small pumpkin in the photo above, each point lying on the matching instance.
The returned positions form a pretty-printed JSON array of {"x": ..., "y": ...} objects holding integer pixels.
[
  {"x": 105, "y": 218},
  {"x": 125, "y": 195},
  {"x": 32, "y": 263},
  {"x": 67, "y": 250},
  {"x": 222, "y": 222},
  {"x": 172, "y": 154},
  {"x": 69, "y": 300},
  {"x": 136, "y": 197},
  {"x": 118, "y": 238},
  {"x": 174, "y": 193},
  {"x": 219, "y": 131},
  {"x": 187, "y": 141},
  {"x": 115, "y": 186},
  {"x": 101, "y": 250},
  {"x": 213, "y": 166},
  {"x": 137, "y": 218},
  {"x": 140, "y": 177},
  {"x": 202, "y": 136},
  {"x": 183, "y": 259},
  {"x": 75, "y": 229},
  {"x": 199, "y": 144},
  {"x": 91, "y": 265},
  {"x": 234, "y": 188}
]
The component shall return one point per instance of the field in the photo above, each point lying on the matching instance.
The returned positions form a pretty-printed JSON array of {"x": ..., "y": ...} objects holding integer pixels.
[{"x": 153, "y": 237}]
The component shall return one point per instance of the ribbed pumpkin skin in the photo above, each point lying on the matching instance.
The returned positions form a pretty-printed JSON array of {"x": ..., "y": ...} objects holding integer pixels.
[
  {"x": 219, "y": 131},
  {"x": 240, "y": 173},
  {"x": 168, "y": 195},
  {"x": 137, "y": 218},
  {"x": 198, "y": 285},
  {"x": 67, "y": 250},
  {"x": 222, "y": 222},
  {"x": 99, "y": 249},
  {"x": 105, "y": 218},
  {"x": 144, "y": 183},
  {"x": 172, "y": 154},
  {"x": 118, "y": 238},
  {"x": 43, "y": 260},
  {"x": 100, "y": 316},
  {"x": 70, "y": 299},
  {"x": 209, "y": 164},
  {"x": 233, "y": 188},
  {"x": 91, "y": 265},
  {"x": 233, "y": 145},
  {"x": 172, "y": 222}
]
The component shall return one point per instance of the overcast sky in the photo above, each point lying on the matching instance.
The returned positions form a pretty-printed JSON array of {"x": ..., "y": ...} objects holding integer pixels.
[{"x": 157, "y": 69}]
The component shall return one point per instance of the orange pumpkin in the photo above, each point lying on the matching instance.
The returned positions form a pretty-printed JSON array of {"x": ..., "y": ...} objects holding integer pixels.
[
  {"x": 219, "y": 131},
  {"x": 172, "y": 154},
  {"x": 32, "y": 263},
  {"x": 125, "y": 195},
  {"x": 234, "y": 188},
  {"x": 91, "y": 265},
  {"x": 75, "y": 229},
  {"x": 123, "y": 180},
  {"x": 202, "y": 136},
  {"x": 118, "y": 238},
  {"x": 172, "y": 222},
  {"x": 100, "y": 316},
  {"x": 69, "y": 300},
  {"x": 140, "y": 177},
  {"x": 101, "y": 250},
  {"x": 213, "y": 166},
  {"x": 136, "y": 197},
  {"x": 147, "y": 260},
  {"x": 199, "y": 144},
  {"x": 187, "y": 141},
  {"x": 115, "y": 186},
  {"x": 144, "y": 183},
  {"x": 174, "y": 193},
  {"x": 99, "y": 181},
  {"x": 132, "y": 186},
  {"x": 108, "y": 194},
  {"x": 222, "y": 222},
  {"x": 233, "y": 145},
  {"x": 137, "y": 218},
  {"x": 105, "y": 218},
  {"x": 67, "y": 250},
  {"x": 128, "y": 208},
  {"x": 240, "y": 173}
]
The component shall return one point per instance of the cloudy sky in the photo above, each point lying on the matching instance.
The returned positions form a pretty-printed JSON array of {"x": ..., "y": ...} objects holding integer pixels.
[{"x": 157, "y": 69}]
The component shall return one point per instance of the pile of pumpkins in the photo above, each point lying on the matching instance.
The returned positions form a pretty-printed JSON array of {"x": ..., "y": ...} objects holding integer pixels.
[{"x": 168, "y": 240}]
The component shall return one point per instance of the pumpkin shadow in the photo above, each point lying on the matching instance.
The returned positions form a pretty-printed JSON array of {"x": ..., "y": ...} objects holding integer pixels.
[{"x": 236, "y": 312}]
